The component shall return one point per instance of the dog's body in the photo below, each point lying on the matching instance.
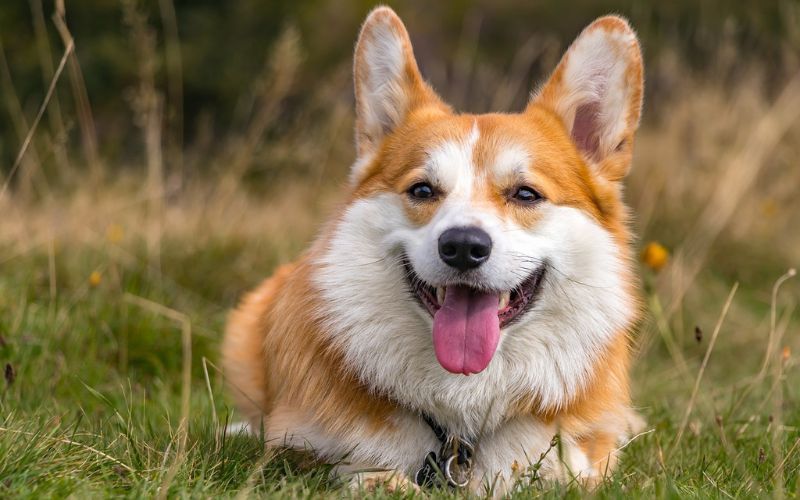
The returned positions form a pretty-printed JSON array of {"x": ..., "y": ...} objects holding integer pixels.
[{"x": 493, "y": 246}]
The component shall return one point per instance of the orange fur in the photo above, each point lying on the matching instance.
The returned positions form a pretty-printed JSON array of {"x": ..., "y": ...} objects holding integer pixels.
[{"x": 276, "y": 362}]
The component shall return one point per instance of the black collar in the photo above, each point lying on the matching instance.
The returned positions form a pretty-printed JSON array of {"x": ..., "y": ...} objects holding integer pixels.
[{"x": 453, "y": 465}]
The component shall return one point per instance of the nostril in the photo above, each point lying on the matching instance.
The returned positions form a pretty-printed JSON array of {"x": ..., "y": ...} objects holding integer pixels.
[
  {"x": 480, "y": 251},
  {"x": 449, "y": 250}
]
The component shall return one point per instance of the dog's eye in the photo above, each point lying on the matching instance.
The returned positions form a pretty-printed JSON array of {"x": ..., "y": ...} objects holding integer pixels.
[
  {"x": 421, "y": 191},
  {"x": 525, "y": 194}
]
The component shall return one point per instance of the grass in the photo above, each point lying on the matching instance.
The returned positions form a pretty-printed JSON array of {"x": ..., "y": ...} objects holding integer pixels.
[
  {"x": 115, "y": 286},
  {"x": 93, "y": 335}
]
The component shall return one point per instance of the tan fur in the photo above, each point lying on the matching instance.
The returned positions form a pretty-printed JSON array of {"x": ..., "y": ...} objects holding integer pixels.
[{"x": 275, "y": 360}]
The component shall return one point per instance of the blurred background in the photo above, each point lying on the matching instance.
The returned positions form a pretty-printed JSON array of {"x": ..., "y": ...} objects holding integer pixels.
[
  {"x": 166, "y": 94},
  {"x": 176, "y": 151}
]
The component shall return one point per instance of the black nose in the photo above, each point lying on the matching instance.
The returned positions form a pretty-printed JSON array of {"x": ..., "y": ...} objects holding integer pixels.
[{"x": 465, "y": 247}]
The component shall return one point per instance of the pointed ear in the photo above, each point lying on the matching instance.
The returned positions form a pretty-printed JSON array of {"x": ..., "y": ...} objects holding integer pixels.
[
  {"x": 388, "y": 85},
  {"x": 596, "y": 90}
]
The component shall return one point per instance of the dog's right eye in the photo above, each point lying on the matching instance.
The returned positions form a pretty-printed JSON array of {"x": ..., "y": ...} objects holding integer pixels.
[{"x": 421, "y": 191}]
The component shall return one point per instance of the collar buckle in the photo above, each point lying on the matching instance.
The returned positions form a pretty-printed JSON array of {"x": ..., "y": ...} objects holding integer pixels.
[{"x": 453, "y": 464}]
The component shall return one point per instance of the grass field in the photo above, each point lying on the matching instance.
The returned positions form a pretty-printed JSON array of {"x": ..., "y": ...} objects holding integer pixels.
[
  {"x": 114, "y": 288},
  {"x": 94, "y": 392}
]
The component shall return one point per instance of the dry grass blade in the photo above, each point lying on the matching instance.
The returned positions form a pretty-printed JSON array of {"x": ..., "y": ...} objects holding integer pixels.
[
  {"x": 214, "y": 418},
  {"x": 31, "y": 166},
  {"x": 773, "y": 355},
  {"x": 703, "y": 365},
  {"x": 247, "y": 490},
  {"x": 48, "y": 96},
  {"x": 775, "y": 334},
  {"x": 46, "y": 62},
  {"x": 79, "y": 92},
  {"x": 73, "y": 443},
  {"x": 772, "y": 320},
  {"x": 779, "y": 468}
]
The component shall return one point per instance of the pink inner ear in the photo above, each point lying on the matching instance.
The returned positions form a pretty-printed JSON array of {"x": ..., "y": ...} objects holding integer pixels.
[{"x": 586, "y": 127}]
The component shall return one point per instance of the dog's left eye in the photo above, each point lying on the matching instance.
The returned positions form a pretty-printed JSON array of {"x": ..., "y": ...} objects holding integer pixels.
[
  {"x": 526, "y": 194},
  {"x": 421, "y": 191}
]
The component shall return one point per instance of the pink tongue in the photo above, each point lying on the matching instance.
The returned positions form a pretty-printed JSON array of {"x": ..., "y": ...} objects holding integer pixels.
[{"x": 466, "y": 330}]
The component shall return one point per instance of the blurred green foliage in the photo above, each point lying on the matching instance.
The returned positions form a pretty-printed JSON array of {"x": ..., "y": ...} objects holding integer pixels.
[{"x": 224, "y": 46}]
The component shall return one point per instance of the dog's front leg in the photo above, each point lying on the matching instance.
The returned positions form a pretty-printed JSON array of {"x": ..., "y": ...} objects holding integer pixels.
[{"x": 525, "y": 450}]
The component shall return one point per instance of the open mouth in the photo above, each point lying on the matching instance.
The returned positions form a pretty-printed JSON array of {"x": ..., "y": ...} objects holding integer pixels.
[
  {"x": 511, "y": 304},
  {"x": 467, "y": 320}
]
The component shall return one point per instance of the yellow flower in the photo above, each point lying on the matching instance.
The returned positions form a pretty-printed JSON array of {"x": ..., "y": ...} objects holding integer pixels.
[
  {"x": 655, "y": 256},
  {"x": 114, "y": 233},
  {"x": 95, "y": 278},
  {"x": 769, "y": 208}
]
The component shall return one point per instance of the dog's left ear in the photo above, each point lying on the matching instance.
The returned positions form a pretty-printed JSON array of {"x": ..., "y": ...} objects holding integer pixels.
[
  {"x": 596, "y": 90},
  {"x": 388, "y": 84}
]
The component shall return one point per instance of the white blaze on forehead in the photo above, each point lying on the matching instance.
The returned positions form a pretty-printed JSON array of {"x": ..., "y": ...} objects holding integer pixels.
[
  {"x": 450, "y": 164},
  {"x": 510, "y": 161}
]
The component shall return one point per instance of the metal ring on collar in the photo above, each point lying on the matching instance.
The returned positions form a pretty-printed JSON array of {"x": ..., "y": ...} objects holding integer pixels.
[{"x": 448, "y": 474}]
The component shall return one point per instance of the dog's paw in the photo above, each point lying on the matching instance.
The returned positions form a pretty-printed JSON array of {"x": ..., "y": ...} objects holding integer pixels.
[
  {"x": 390, "y": 481},
  {"x": 239, "y": 429}
]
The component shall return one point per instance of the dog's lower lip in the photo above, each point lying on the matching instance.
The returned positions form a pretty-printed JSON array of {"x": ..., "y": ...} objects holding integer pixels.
[{"x": 517, "y": 301}]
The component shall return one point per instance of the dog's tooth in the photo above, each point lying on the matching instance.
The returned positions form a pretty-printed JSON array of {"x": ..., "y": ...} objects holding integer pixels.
[
  {"x": 440, "y": 295},
  {"x": 505, "y": 298}
]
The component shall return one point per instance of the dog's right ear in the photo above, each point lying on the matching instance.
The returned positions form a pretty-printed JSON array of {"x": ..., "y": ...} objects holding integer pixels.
[{"x": 388, "y": 84}]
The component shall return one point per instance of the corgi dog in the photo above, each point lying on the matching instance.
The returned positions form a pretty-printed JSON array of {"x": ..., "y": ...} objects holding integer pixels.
[{"x": 476, "y": 294}]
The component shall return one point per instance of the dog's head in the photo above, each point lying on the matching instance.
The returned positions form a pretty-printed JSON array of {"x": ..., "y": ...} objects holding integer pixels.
[{"x": 474, "y": 237}]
